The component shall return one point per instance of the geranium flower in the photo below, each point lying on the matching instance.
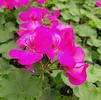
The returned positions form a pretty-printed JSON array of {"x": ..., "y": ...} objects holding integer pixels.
[
  {"x": 34, "y": 14},
  {"x": 70, "y": 56},
  {"x": 74, "y": 65},
  {"x": 98, "y": 3},
  {"x": 42, "y": 33},
  {"x": 10, "y": 4}
]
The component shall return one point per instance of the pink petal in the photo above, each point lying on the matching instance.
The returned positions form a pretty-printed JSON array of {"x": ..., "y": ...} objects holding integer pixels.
[
  {"x": 43, "y": 40},
  {"x": 77, "y": 75},
  {"x": 25, "y": 57},
  {"x": 79, "y": 54},
  {"x": 30, "y": 68},
  {"x": 62, "y": 26},
  {"x": 24, "y": 2},
  {"x": 68, "y": 40},
  {"x": 26, "y": 40},
  {"x": 10, "y": 4},
  {"x": 1, "y": 3},
  {"x": 66, "y": 59},
  {"x": 21, "y": 32},
  {"x": 24, "y": 16},
  {"x": 50, "y": 54},
  {"x": 56, "y": 13},
  {"x": 31, "y": 26}
]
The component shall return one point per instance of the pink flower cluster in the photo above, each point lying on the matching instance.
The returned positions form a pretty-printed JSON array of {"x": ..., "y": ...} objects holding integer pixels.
[
  {"x": 10, "y": 4},
  {"x": 98, "y": 3},
  {"x": 41, "y": 33}
]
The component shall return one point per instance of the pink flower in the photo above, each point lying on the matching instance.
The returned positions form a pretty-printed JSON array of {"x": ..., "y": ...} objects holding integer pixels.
[
  {"x": 36, "y": 41},
  {"x": 10, "y": 4},
  {"x": 98, "y": 3},
  {"x": 52, "y": 38},
  {"x": 7, "y": 3},
  {"x": 34, "y": 14},
  {"x": 70, "y": 56},
  {"x": 74, "y": 65}
]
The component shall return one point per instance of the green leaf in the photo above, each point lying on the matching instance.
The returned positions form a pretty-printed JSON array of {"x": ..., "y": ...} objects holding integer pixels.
[
  {"x": 10, "y": 27},
  {"x": 21, "y": 85},
  {"x": 94, "y": 42},
  {"x": 5, "y": 48},
  {"x": 88, "y": 91},
  {"x": 85, "y": 30},
  {"x": 99, "y": 50},
  {"x": 49, "y": 94},
  {"x": 2, "y": 18},
  {"x": 88, "y": 55},
  {"x": 73, "y": 9},
  {"x": 95, "y": 22},
  {"x": 61, "y": 6},
  {"x": 94, "y": 73}
]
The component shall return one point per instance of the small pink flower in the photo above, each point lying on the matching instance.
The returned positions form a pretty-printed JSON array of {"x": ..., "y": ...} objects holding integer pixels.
[
  {"x": 10, "y": 4},
  {"x": 7, "y": 3},
  {"x": 34, "y": 14},
  {"x": 98, "y": 3}
]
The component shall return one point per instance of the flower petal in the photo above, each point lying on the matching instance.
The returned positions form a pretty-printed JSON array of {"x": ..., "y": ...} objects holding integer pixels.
[
  {"x": 77, "y": 75},
  {"x": 25, "y": 57},
  {"x": 30, "y": 68}
]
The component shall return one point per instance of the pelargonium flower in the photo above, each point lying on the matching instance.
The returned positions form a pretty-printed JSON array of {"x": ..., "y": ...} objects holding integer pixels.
[
  {"x": 33, "y": 14},
  {"x": 74, "y": 65},
  {"x": 70, "y": 55},
  {"x": 98, "y": 3},
  {"x": 10, "y": 4},
  {"x": 42, "y": 33}
]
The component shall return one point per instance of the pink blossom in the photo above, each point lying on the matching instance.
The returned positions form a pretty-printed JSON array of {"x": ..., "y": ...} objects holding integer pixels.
[
  {"x": 7, "y": 3},
  {"x": 34, "y": 14},
  {"x": 10, "y": 4},
  {"x": 98, "y": 3},
  {"x": 36, "y": 41},
  {"x": 70, "y": 55},
  {"x": 74, "y": 65},
  {"x": 52, "y": 39}
]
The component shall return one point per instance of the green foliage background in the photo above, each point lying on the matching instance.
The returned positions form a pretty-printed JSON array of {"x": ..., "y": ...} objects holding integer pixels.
[{"x": 19, "y": 84}]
